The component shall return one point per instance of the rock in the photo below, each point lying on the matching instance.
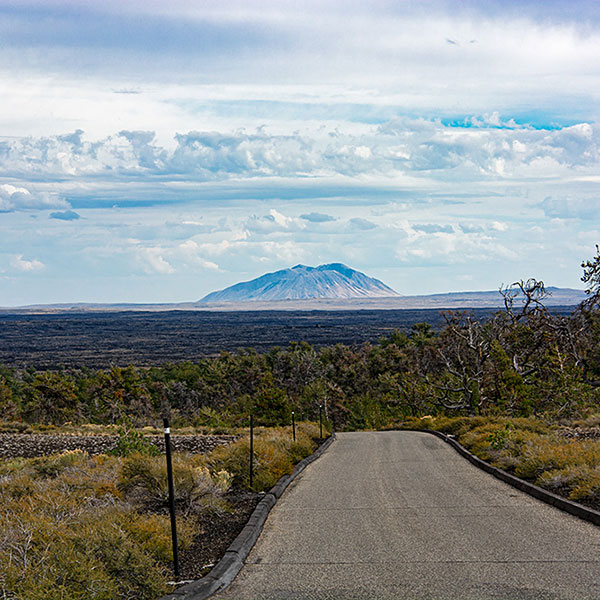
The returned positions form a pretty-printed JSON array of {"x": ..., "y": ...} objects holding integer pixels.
[{"x": 28, "y": 445}]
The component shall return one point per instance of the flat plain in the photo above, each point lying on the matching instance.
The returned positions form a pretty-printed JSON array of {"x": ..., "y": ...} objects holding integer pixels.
[{"x": 101, "y": 339}]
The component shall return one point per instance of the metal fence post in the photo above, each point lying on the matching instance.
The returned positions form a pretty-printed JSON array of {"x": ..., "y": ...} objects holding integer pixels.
[
  {"x": 320, "y": 421},
  {"x": 294, "y": 425},
  {"x": 171, "y": 496},
  {"x": 251, "y": 451}
]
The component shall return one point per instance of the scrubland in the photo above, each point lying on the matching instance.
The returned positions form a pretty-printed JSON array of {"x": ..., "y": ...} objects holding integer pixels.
[{"x": 76, "y": 526}]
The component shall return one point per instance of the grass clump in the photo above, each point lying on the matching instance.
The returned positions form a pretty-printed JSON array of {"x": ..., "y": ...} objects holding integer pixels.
[
  {"x": 14, "y": 427},
  {"x": 275, "y": 454},
  {"x": 592, "y": 420},
  {"x": 550, "y": 454},
  {"x": 144, "y": 480},
  {"x": 54, "y": 464},
  {"x": 577, "y": 482}
]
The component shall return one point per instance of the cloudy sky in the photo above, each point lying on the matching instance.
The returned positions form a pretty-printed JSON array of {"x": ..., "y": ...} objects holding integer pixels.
[{"x": 155, "y": 151}]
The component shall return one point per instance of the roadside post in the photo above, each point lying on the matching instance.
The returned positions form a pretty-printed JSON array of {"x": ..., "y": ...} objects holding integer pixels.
[
  {"x": 294, "y": 425},
  {"x": 251, "y": 451},
  {"x": 171, "y": 496},
  {"x": 320, "y": 421}
]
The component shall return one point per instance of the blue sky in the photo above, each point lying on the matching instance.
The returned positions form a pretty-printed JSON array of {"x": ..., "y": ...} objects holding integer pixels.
[{"x": 154, "y": 151}]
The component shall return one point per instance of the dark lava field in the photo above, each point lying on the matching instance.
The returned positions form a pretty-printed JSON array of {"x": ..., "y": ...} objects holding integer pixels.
[{"x": 102, "y": 339}]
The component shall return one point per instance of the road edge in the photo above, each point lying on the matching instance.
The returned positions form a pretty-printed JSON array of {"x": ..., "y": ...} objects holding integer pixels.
[
  {"x": 225, "y": 571},
  {"x": 573, "y": 508}
]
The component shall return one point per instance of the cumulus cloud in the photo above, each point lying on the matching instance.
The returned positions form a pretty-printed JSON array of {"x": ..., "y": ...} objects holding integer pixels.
[
  {"x": 67, "y": 215},
  {"x": 274, "y": 221},
  {"x": 169, "y": 258},
  {"x": 240, "y": 249},
  {"x": 153, "y": 261},
  {"x": 498, "y": 226},
  {"x": 489, "y": 150},
  {"x": 191, "y": 253},
  {"x": 471, "y": 228},
  {"x": 486, "y": 148},
  {"x": 14, "y": 198},
  {"x": 21, "y": 264},
  {"x": 126, "y": 152}
]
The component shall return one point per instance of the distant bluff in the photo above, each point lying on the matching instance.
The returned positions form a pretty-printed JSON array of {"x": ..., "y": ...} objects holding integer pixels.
[{"x": 301, "y": 283}]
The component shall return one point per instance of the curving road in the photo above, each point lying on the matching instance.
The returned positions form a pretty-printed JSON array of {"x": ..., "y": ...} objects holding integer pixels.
[{"x": 401, "y": 515}]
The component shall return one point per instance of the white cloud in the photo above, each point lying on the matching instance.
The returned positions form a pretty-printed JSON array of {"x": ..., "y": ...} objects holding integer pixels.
[
  {"x": 19, "y": 198},
  {"x": 433, "y": 228},
  {"x": 238, "y": 252},
  {"x": 273, "y": 222},
  {"x": 471, "y": 228},
  {"x": 191, "y": 253},
  {"x": 152, "y": 261},
  {"x": 27, "y": 266},
  {"x": 498, "y": 226},
  {"x": 415, "y": 147}
]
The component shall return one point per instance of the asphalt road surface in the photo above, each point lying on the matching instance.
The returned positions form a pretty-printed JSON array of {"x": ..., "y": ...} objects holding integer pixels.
[{"x": 401, "y": 515}]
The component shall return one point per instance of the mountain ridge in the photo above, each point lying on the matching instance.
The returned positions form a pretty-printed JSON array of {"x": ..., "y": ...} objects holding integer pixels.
[{"x": 465, "y": 300}]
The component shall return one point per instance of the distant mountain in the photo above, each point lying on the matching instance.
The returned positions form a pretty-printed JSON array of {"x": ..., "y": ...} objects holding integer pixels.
[{"x": 304, "y": 283}]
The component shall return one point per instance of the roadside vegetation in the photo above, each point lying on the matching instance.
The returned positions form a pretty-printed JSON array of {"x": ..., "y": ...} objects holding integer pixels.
[{"x": 80, "y": 527}]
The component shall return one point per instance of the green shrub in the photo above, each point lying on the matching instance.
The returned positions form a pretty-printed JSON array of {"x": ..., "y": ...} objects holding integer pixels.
[
  {"x": 587, "y": 490},
  {"x": 133, "y": 441},
  {"x": 498, "y": 439},
  {"x": 209, "y": 417},
  {"x": 563, "y": 481},
  {"x": 460, "y": 425}
]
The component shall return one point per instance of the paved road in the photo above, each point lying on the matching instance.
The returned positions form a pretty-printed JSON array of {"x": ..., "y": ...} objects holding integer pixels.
[{"x": 401, "y": 515}]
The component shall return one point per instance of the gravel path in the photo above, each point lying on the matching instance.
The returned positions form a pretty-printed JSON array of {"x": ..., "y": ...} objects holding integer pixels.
[
  {"x": 32, "y": 444},
  {"x": 400, "y": 515}
]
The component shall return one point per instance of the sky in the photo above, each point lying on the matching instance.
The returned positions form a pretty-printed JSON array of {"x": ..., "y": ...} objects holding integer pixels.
[{"x": 156, "y": 151}]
